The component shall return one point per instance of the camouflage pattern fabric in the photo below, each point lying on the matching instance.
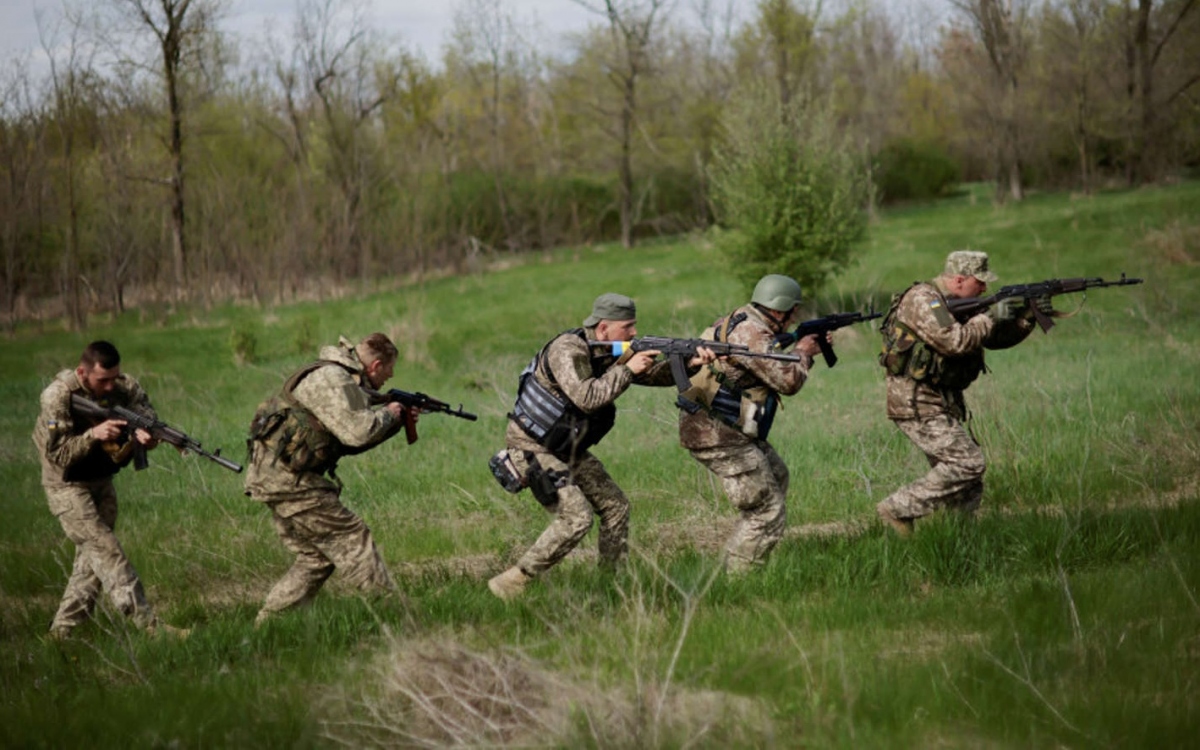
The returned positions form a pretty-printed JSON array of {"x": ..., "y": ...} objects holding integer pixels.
[
  {"x": 755, "y": 479},
  {"x": 324, "y": 536},
  {"x": 955, "y": 478},
  {"x": 87, "y": 512},
  {"x": 305, "y": 507},
  {"x": 68, "y": 452},
  {"x": 701, "y": 430},
  {"x": 76, "y": 475},
  {"x": 935, "y": 420},
  {"x": 334, "y": 395},
  {"x": 589, "y": 487},
  {"x": 923, "y": 310}
]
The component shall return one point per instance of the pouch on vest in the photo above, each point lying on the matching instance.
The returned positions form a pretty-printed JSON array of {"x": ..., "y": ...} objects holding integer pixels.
[
  {"x": 897, "y": 349},
  {"x": 293, "y": 436},
  {"x": 506, "y": 472},
  {"x": 757, "y": 418}
]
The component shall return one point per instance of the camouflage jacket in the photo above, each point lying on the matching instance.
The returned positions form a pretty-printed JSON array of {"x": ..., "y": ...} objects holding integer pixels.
[
  {"x": 922, "y": 309},
  {"x": 756, "y": 331},
  {"x": 569, "y": 368},
  {"x": 67, "y": 450},
  {"x": 335, "y": 396}
]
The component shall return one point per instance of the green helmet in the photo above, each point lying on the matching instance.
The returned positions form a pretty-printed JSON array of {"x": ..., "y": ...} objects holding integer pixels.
[{"x": 776, "y": 292}]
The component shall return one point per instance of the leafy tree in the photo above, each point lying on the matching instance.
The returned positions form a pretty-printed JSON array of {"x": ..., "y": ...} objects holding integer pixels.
[{"x": 792, "y": 186}]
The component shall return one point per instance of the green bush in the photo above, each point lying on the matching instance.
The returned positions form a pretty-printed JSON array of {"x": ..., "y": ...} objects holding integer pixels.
[
  {"x": 793, "y": 186},
  {"x": 908, "y": 170}
]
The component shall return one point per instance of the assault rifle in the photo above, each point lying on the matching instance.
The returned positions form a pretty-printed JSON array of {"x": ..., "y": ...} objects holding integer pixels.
[
  {"x": 160, "y": 431},
  {"x": 679, "y": 351},
  {"x": 417, "y": 403},
  {"x": 968, "y": 307},
  {"x": 822, "y": 326}
]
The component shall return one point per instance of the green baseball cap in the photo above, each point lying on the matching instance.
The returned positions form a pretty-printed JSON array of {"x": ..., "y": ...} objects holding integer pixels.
[{"x": 610, "y": 306}]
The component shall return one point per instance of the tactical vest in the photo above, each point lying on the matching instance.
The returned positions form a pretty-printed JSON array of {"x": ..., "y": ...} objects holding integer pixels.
[
  {"x": 291, "y": 434},
  {"x": 549, "y": 417},
  {"x": 904, "y": 354},
  {"x": 749, "y": 410}
]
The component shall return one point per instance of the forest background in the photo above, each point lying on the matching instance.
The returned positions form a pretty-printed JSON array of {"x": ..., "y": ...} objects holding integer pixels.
[{"x": 156, "y": 159}]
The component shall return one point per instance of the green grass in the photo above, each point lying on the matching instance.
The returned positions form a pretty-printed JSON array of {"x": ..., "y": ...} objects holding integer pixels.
[{"x": 1065, "y": 615}]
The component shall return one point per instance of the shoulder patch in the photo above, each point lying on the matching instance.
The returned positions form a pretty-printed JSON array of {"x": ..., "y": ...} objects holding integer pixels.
[{"x": 940, "y": 313}]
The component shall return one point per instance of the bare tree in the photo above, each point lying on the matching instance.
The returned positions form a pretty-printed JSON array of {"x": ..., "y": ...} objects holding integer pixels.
[
  {"x": 23, "y": 166},
  {"x": 340, "y": 69},
  {"x": 1001, "y": 26},
  {"x": 485, "y": 37},
  {"x": 1073, "y": 50},
  {"x": 1149, "y": 29},
  {"x": 70, "y": 67},
  {"x": 178, "y": 28},
  {"x": 632, "y": 26}
]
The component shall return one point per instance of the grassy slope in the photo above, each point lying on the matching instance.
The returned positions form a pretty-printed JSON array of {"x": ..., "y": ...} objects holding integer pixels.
[{"x": 1066, "y": 615}]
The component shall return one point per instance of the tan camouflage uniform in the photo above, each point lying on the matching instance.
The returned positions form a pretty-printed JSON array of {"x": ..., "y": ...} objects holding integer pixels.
[
  {"x": 935, "y": 419},
  {"x": 305, "y": 507},
  {"x": 589, "y": 487},
  {"x": 753, "y": 475},
  {"x": 77, "y": 472}
]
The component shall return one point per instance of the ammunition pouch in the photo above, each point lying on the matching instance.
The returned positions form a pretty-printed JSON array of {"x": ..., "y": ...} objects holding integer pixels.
[
  {"x": 905, "y": 355},
  {"x": 506, "y": 472},
  {"x": 294, "y": 437}
]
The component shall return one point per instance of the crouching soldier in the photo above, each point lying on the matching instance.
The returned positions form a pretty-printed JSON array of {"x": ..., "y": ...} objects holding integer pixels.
[
  {"x": 322, "y": 413},
  {"x": 565, "y": 405}
]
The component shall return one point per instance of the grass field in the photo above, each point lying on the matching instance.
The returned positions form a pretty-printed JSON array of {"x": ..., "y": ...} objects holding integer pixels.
[{"x": 1066, "y": 615}]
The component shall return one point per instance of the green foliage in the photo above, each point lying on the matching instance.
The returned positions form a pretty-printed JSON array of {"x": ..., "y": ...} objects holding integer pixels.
[
  {"x": 908, "y": 170},
  {"x": 244, "y": 345},
  {"x": 794, "y": 189},
  {"x": 1064, "y": 616}
]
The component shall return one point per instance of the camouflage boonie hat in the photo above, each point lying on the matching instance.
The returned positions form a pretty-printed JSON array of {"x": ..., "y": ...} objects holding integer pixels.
[
  {"x": 610, "y": 306},
  {"x": 969, "y": 263}
]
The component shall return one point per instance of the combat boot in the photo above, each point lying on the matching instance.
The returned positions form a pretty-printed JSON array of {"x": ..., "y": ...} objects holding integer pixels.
[
  {"x": 902, "y": 526},
  {"x": 509, "y": 584}
]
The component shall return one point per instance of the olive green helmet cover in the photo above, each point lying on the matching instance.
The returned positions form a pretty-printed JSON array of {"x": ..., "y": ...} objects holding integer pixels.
[{"x": 776, "y": 292}]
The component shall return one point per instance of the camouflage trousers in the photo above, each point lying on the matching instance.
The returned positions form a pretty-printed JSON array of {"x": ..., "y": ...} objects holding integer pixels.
[
  {"x": 955, "y": 478},
  {"x": 586, "y": 487},
  {"x": 87, "y": 512},
  {"x": 324, "y": 536},
  {"x": 756, "y": 481}
]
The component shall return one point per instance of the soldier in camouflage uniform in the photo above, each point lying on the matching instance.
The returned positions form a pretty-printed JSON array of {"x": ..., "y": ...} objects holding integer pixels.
[
  {"x": 565, "y": 405},
  {"x": 79, "y": 460},
  {"x": 296, "y": 439},
  {"x": 738, "y": 397},
  {"x": 931, "y": 358}
]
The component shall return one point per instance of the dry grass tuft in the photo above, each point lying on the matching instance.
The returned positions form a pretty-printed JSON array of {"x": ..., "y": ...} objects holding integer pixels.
[
  {"x": 442, "y": 694},
  {"x": 1176, "y": 244}
]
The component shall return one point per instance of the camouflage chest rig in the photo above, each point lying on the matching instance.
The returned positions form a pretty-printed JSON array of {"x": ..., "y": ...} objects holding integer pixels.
[
  {"x": 748, "y": 408},
  {"x": 291, "y": 434},
  {"x": 904, "y": 354}
]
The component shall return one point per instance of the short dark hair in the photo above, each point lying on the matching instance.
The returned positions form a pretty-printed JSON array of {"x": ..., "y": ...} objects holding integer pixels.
[
  {"x": 101, "y": 353},
  {"x": 377, "y": 346}
]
